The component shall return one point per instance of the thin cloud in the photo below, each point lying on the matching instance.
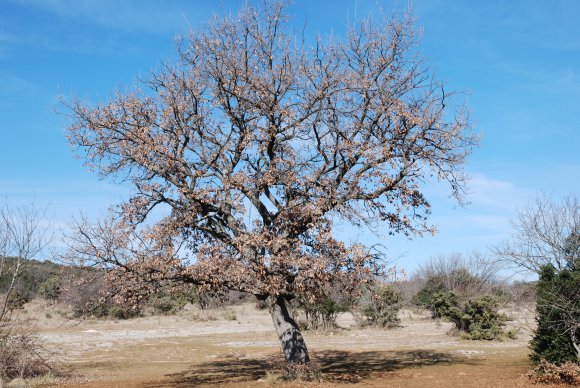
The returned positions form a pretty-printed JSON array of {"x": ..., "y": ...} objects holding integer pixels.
[
  {"x": 131, "y": 16},
  {"x": 494, "y": 194}
]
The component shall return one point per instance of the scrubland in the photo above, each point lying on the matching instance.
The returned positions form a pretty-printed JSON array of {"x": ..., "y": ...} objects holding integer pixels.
[{"x": 237, "y": 347}]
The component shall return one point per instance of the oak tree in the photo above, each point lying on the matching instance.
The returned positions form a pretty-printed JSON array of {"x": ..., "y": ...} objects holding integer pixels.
[{"x": 253, "y": 142}]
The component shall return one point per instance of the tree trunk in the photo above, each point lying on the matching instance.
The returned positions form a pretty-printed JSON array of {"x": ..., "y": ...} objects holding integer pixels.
[
  {"x": 291, "y": 340},
  {"x": 576, "y": 344}
]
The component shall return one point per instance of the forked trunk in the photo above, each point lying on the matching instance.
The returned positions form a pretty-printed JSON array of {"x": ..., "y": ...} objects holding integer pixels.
[{"x": 291, "y": 339}]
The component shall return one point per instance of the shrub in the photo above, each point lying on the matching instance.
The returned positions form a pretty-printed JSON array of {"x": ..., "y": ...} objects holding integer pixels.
[
  {"x": 549, "y": 373},
  {"x": 512, "y": 333},
  {"x": 50, "y": 289},
  {"x": 229, "y": 315},
  {"x": 423, "y": 297},
  {"x": 81, "y": 292},
  {"x": 558, "y": 316},
  {"x": 261, "y": 304},
  {"x": 478, "y": 319},
  {"x": 380, "y": 307},
  {"x": 445, "y": 304},
  {"x": 21, "y": 352},
  {"x": 320, "y": 313},
  {"x": 168, "y": 303},
  {"x": 468, "y": 277},
  {"x": 31, "y": 277},
  {"x": 85, "y": 292},
  {"x": 16, "y": 300},
  {"x": 481, "y": 320},
  {"x": 120, "y": 312},
  {"x": 164, "y": 305}
]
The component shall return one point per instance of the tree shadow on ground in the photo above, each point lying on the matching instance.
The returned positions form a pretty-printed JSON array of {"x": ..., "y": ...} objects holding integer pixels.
[{"x": 334, "y": 366}]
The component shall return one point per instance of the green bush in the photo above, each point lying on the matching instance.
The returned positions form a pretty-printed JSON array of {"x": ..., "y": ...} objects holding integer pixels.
[
  {"x": 380, "y": 308},
  {"x": 229, "y": 315},
  {"x": 31, "y": 276},
  {"x": 118, "y": 312},
  {"x": 557, "y": 312},
  {"x": 165, "y": 305},
  {"x": 50, "y": 289},
  {"x": 477, "y": 319},
  {"x": 170, "y": 302},
  {"x": 481, "y": 319},
  {"x": 423, "y": 297},
  {"x": 512, "y": 333},
  {"x": 463, "y": 277},
  {"x": 445, "y": 304},
  {"x": 321, "y": 313}
]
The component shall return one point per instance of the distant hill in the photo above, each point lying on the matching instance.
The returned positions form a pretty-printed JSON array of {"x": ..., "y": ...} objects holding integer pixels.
[{"x": 32, "y": 276}]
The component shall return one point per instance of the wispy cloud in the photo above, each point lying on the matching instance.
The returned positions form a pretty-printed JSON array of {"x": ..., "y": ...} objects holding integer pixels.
[
  {"x": 129, "y": 15},
  {"x": 494, "y": 194}
]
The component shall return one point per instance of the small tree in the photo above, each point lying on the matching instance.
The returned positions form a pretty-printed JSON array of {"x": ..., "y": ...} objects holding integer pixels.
[
  {"x": 545, "y": 232},
  {"x": 254, "y": 142},
  {"x": 23, "y": 235},
  {"x": 468, "y": 277},
  {"x": 557, "y": 337},
  {"x": 547, "y": 242}
]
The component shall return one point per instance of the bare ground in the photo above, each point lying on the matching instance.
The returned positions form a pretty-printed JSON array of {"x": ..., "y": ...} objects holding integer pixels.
[{"x": 204, "y": 349}]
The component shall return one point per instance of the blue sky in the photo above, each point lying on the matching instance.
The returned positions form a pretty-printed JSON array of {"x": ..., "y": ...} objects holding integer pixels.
[{"x": 518, "y": 63}]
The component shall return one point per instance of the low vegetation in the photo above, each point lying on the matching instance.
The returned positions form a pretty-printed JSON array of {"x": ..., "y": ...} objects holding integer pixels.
[
  {"x": 549, "y": 373},
  {"x": 465, "y": 292},
  {"x": 22, "y": 354},
  {"x": 379, "y": 307},
  {"x": 23, "y": 236}
]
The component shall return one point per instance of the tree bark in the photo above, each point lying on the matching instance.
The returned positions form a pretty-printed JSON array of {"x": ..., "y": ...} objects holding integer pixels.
[
  {"x": 576, "y": 344},
  {"x": 291, "y": 340}
]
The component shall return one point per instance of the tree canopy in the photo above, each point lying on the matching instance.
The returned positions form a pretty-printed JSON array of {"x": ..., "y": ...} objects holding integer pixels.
[{"x": 256, "y": 140}]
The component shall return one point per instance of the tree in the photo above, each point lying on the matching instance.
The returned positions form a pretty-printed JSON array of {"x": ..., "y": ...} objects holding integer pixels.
[
  {"x": 547, "y": 241},
  {"x": 468, "y": 277},
  {"x": 23, "y": 236},
  {"x": 545, "y": 232},
  {"x": 557, "y": 337},
  {"x": 254, "y": 141}
]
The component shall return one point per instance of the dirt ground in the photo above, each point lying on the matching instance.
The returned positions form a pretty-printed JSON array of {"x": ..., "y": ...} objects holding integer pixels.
[{"x": 205, "y": 349}]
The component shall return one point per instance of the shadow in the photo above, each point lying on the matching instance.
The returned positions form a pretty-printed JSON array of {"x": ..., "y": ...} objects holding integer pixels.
[
  {"x": 352, "y": 367},
  {"x": 334, "y": 366},
  {"x": 227, "y": 370}
]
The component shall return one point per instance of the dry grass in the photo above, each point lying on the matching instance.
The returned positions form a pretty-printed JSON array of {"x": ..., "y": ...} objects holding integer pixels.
[
  {"x": 191, "y": 350},
  {"x": 22, "y": 353}
]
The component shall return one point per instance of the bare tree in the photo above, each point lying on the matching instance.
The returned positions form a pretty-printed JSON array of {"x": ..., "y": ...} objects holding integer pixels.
[
  {"x": 546, "y": 241},
  {"x": 470, "y": 275},
  {"x": 254, "y": 141},
  {"x": 24, "y": 233},
  {"x": 544, "y": 234}
]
